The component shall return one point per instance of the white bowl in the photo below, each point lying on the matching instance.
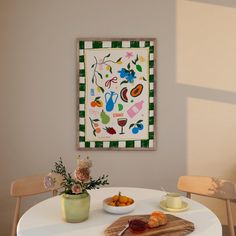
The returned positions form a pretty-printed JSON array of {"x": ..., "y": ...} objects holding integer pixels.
[{"x": 117, "y": 209}]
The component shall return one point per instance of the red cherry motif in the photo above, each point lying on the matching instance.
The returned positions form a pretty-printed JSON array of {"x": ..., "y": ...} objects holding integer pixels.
[{"x": 110, "y": 130}]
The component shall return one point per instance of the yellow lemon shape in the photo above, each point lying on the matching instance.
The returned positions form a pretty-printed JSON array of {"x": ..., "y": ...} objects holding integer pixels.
[{"x": 141, "y": 58}]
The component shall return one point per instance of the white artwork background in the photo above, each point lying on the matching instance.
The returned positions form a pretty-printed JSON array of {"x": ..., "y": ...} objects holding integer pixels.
[{"x": 102, "y": 73}]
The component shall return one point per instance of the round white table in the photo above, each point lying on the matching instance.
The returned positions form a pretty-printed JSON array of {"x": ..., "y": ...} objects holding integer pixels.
[{"x": 44, "y": 219}]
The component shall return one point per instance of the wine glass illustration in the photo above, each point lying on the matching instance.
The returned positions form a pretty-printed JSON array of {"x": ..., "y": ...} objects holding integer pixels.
[{"x": 122, "y": 122}]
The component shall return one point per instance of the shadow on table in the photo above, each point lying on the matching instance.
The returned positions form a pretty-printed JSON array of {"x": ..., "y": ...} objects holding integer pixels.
[{"x": 69, "y": 228}]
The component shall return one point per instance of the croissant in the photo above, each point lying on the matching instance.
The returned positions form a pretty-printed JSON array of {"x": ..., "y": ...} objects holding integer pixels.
[{"x": 156, "y": 219}]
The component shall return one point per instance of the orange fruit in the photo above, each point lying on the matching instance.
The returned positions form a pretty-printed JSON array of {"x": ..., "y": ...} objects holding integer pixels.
[
  {"x": 99, "y": 103},
  {"x": 93, "y": 104},
  {"x": 123, "y": 199},
  {"x": 98, "y": 130},
  {"x": 122, "y": 204},
  {"x": 115, "y": 198},
  {"x": 130, "y": 201},
  {"x": 111, "y": 203}
]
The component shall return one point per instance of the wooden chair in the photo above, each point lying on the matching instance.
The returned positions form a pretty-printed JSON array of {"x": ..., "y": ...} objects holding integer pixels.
[
  {"x": 27, "y": 186},
  {"x": 211, "y": 187}
]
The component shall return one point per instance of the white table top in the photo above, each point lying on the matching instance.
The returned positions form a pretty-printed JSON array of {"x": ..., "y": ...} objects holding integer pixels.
[{"x": 44, "y": 219}]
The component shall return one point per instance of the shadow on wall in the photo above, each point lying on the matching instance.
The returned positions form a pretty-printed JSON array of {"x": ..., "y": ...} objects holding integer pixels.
[
  {"x": 224, "y": 3},
  {"x": 206, "y": 79},
  {"x": 208, "y": 93},
  {"x": 222, "y": 189}
]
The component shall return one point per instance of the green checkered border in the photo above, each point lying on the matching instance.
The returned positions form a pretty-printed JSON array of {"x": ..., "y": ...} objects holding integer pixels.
[{"x": 142, "y": 144}]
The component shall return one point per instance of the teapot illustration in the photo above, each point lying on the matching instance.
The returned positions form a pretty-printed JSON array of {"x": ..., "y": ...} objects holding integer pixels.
[{"x": 110, "y": 99}]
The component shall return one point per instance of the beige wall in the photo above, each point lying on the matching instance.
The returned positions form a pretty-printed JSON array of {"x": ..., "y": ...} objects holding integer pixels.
[
  {"x": 37, "y": 89},
  {"x": 206, "y": 55}
]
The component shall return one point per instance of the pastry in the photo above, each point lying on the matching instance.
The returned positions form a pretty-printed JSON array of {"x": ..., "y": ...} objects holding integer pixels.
[{"x": 156, "y": 219}]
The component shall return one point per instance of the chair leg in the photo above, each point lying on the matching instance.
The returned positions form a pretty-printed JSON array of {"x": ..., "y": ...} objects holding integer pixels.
[
  {"x": 16, "y": 216},
  {"x": 188, "y": 195},
  {"x": 54, "y": 192},
  {"x": 230, "y": 218}
]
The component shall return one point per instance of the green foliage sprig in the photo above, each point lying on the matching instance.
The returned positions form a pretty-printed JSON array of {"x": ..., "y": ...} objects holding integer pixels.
[{"x": 80, "y": 181}]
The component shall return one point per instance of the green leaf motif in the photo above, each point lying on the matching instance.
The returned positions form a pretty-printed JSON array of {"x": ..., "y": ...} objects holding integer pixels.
[
  {"x": 94, "y": 132},
  {"x": 144, "y": 79},
  {"x": 128, "y": 66},
  {"x": 96, "y": 120},
  {"x": 131, "y": 126},
  {"x": 107, "y": 55},
  {"x": 92, "y": 65},
  {"x": 102, "y": 89},
  {"x": 100, "y": 75},
  {"x": 97, "y": 98},
  {"x": 140, "y": 121},
  {"x": 123, "y": 82},
  {"x": 139, "y": 68},
  {"x": 110, "y": 69},
  {"x": 119, "y": 59}
]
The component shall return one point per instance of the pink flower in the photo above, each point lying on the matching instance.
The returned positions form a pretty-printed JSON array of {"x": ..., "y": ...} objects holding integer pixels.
[
  {"x": 82, "y": 174},
  {"x": 76, "y": 188},
  {"x": 85, "y": 163},
  {"x": 129, "y": 54}
]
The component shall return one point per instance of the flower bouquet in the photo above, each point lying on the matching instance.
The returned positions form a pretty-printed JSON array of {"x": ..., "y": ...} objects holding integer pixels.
[{"x": 75, "y": 201}]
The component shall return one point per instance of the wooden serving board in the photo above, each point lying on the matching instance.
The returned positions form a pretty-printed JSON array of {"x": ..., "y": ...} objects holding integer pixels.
[{"x": 175, "y": 227}]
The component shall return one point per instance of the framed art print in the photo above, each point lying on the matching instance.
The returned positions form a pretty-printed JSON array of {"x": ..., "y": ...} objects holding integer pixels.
[{"x": 116, "y": 94}]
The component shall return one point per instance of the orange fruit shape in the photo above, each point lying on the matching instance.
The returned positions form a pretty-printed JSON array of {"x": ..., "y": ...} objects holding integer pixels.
[
  {"x": 93, "y": 104},
  {"x": 111, "y": 203},
  {"x": 98, "y": 130},
  {"x": 122, "y": 204},
  {"x": 123, "y": 199},
  {"x": 130, "y": 201},
  {"x": 115, "y": 198},
  {"x": 99, "y": 103}
]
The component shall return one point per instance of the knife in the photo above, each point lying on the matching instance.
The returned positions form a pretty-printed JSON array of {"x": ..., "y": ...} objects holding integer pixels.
[{"x": 123, "y": 230}]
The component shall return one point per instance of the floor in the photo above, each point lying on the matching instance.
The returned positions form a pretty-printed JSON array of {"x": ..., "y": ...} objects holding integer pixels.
[{"x": 225, "y": 230}]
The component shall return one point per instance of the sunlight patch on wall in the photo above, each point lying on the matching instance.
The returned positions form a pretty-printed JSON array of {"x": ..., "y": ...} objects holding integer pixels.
[
  {"x": 211, "y": 149},
  {"x": 206, "y": 48}
]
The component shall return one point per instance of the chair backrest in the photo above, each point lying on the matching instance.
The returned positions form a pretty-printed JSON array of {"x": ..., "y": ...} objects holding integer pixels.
[
  {"x": 210, "y": 187},
  {"x": 27, "y": 186}
]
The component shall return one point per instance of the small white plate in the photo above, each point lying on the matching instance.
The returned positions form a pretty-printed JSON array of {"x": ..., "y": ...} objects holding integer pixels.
[
  {"x": 117, "y": 209},
  {"x": 164, "y": 207}
]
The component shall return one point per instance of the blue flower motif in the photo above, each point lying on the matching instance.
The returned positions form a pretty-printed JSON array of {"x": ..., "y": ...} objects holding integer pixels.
[
  {"x": 130, "y": 78},
  {"x": 123, "y": 73},
  {"x": 129, "y": 75}
]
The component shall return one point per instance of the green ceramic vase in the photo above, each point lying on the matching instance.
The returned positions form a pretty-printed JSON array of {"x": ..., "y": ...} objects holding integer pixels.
[{"x": 75, "y": 208}]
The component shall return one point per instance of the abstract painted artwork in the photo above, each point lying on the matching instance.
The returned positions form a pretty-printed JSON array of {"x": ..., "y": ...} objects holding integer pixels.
[{"x": 116, "y": 94}]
